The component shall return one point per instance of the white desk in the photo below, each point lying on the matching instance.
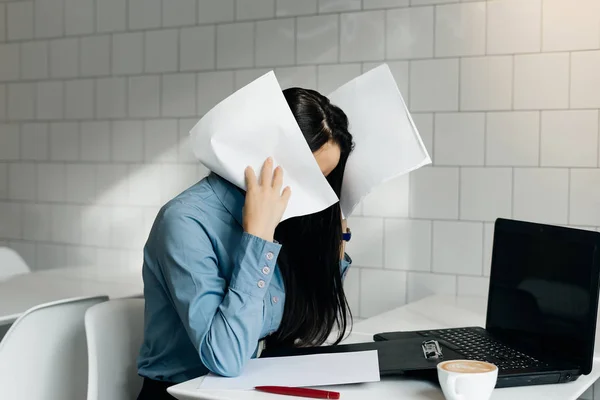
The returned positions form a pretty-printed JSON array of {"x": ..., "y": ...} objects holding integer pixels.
[
  {"x": 21, "y": 292},
  {"x": 429, "y": 313}
]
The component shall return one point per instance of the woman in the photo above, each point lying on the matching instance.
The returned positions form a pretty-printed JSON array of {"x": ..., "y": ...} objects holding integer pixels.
[{"x": 221, "y": 273}]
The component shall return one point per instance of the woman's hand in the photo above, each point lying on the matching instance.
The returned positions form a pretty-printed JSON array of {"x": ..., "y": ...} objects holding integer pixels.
[{"x": 265, "y": 203}]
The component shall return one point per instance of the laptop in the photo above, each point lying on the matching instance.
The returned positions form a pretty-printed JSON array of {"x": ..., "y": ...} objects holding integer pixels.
[{"x": 542, "y": 307}]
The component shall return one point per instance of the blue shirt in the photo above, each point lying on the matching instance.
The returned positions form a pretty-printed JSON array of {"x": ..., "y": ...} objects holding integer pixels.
[{"x": 212, "y": 291}]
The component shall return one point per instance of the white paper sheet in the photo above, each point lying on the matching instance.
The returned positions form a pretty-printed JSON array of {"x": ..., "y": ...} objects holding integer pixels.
[
  {"x": 302, "y": 371},
  {"x": 252, "y": 124},
  {"x": 255, "y": 122},
  {"x": 387, "y": 142}
]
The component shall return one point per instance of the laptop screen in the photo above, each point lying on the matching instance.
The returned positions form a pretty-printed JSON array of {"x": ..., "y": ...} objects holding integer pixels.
[{"x": 543, "y": 295}]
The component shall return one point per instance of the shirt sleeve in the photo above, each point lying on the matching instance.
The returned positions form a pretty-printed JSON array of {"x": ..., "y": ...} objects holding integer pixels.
[
  {"x": 223, "y": 320},
  {"x": 345, "y": 265}
]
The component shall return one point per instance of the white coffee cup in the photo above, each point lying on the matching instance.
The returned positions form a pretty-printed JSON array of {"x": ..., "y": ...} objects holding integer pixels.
[{"x": 467, "y": 379}]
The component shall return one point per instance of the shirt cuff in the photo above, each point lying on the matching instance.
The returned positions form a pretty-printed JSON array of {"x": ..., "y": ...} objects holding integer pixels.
[
  {"x": 345, "y": 265},
  {"x": 255, "y": 265}
]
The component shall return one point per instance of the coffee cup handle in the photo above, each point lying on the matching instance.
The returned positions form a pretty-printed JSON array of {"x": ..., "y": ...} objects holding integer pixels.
[{"x": 452, "y": 387}]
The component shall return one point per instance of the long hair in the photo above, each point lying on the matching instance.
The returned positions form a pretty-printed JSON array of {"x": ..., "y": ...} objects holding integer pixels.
[{"x": 309, "y": 261}]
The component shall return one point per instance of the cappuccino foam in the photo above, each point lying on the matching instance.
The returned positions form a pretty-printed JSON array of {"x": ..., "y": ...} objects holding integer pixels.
[{"x": 467, "y": 367}]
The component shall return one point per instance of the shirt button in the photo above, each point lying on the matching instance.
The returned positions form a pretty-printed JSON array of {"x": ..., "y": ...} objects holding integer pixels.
[
  {"x": 275, "y": 299},
  {"x": 269, "y": 256},
  {"x": 266, "y": 270},
  {"x": 261, "y": 284}
]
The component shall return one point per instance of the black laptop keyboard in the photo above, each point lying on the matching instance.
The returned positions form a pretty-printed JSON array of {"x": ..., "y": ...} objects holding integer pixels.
[{"x": 478, "y": 346}]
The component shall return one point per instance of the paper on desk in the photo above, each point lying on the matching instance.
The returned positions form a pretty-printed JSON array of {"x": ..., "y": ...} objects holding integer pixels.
[
  {"x": 255, "y": 122},
  {"x": 302, "y": 371}
]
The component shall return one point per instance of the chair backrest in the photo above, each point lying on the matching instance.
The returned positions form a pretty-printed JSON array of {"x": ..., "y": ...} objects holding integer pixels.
[
  {"x": 11, "y": 263},
  {"x": 44, "y": 354},
  {"x": 115, "y": 331}
]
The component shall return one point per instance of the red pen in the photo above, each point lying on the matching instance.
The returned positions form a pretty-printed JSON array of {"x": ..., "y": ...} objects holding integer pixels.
[{"x": 300, "y": 392}]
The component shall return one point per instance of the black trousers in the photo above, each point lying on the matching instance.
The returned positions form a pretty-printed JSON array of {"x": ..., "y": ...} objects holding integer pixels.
[{"x": 155, "y": 390}]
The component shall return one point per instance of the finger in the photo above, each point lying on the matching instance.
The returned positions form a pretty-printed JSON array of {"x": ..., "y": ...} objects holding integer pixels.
[
  {"x": 250, "y": 177},
  {"x": 266, "y": 174},
  {"x": 278, "y": 179},
  {"x": 285, "y": 196}
]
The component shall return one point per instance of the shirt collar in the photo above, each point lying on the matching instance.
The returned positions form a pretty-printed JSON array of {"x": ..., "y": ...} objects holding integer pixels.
[{"x": 229, "y": 195}]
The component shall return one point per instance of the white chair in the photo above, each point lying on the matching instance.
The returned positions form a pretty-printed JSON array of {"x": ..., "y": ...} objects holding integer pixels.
[
  {"x": 11, "y": 263},
  {"x": 44, "y": 354},
  {"x": 115, "y": 331}
]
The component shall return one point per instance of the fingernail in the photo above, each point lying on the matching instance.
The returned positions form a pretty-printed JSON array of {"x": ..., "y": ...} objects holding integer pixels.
[{"x": 270, "y": 159}]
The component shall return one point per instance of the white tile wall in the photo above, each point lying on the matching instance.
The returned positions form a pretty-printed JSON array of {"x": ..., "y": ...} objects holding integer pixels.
[
  {"x": 178, "y": 12},
  {"x": 486, "y": 83},
  {"x": 79, "y": 99},
  {"x": 275, "y": 42},
  {"x": 79, "y": 17},
  {"x": 454, "y": 36},
  {"x": 178, "y": 95},
  {"x": 434, "y": 85},
  {"x": 459, "y": 139},
  {"x": 50, "y": 100},
  {"x": 585, "y": 197},
  {"x": 127, "y": 53},
  {"x": 49, "y": 18},
  {"x": 409, "y": 33},
  {"x": 254, "y": 9},
  {"x": 19, "y": 17},
  {"x": 144, "y": 96},
  {"x": 197, "y": 48},
  {"x": 235, "y": 44},
  {"x": 425, "y": 201},
  {"x": 286, "y": 8},
  {"x": 64, "y": 141},
  {"x": 111, "y": 97},
  {"x": 212, "y": 88},
  {"x": 9, "y": 142},
  {"x": 367, "y": 251},
  {"x": 3, "y": 22},
  {"x": 513, "y": 138},
  {"x": 161, "y": 50},
  {"x": 569, "y": 138},
  {"x": 330, "y": 77},
  {"x": 585, "y": 82},
  {"x": 421, "y": 285},
  {"x": 35, "y": 142},
  {"x": 97, "y": 99},
  {"x": 558, "y": 36},
  {"x": 381, "y": 291},
  {"x": 64, "y": 58},
  {"x": 362, "y": 36},
  {"x": 21, "y": 181},
  {"x": 407, "y": 245},
  {"x": 541, "y": 81},
  {"x": 95, "y": 141},
  {"x": 210, "y": 11},
  {"x": 111, "y": 15},
  {"x": 144, "y": 14},
  {"x": 95, "y": 55},
  {"x": 9, "y": 64},
  {"x": 514, "y": 26},
  {"x": 21, "y": 101},
  {"x": 541, "y": 194},
  {"x": 485, "y": 193},
  {"x": 317, "y": 39},
  {"x": 457, "y": 247}
]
